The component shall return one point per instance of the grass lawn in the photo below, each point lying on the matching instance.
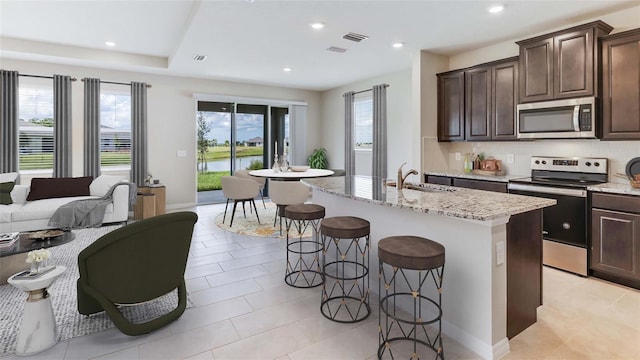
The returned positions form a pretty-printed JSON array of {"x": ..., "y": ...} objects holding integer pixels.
[
  {"x": 224, "y": 152},
  {"x": 210, "y": 180}
]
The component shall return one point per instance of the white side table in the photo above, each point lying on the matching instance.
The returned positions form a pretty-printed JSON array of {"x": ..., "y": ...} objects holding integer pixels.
[{"x": 38, "y": 331}]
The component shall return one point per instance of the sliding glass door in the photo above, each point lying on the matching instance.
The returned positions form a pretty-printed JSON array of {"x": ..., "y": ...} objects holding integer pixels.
[{"x": 233, "y": 136}]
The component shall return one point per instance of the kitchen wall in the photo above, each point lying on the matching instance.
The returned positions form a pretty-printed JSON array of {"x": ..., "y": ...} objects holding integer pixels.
[
  {"x": 400, "y": 140},
  {"x": 618, "y": 152},
  {"x": 171, "y": 118}
]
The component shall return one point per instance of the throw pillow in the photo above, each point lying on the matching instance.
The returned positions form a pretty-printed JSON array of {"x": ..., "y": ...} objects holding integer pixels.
[
  {"x": 103, "y": 183},
  {"x": 5, "y": 192},
  {"x": 47, "y": 188}
]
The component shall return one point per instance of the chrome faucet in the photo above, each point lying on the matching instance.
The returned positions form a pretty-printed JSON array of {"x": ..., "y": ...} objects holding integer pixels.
[{"x": 402, "y": 178}]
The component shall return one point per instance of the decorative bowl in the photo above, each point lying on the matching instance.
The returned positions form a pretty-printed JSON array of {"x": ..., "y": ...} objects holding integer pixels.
[{"x": 299, "y": 168}]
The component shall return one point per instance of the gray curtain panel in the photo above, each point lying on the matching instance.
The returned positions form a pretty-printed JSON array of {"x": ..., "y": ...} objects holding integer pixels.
[
  {"x": 92, "y": 127},
  {"x": 349, "y": 154},
  {"x": 62, "y": 126},
  {"x": 9, "y": 121},
  {"x": 380, "y": 131},
  {"x": 139, "y": 165}
]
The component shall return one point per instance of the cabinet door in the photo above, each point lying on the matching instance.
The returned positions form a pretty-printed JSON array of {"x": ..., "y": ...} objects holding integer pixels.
[
  {"x": 615, "y": 247},
  {"x": 480, "y": 185},
  {"x": 477, "y": 93},
  {"x": 536, "y": 70},
  {"x": 621, "y": 87},
  {"x": 573, "y": 64},
  {"x": 504, "y": 100},
  {"x": 451, "y": 107}
]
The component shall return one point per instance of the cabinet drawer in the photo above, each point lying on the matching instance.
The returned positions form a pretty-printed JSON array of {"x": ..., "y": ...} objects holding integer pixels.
[
  {"x": 624, "y": 203},
  {"x": 440, "y": 180}
]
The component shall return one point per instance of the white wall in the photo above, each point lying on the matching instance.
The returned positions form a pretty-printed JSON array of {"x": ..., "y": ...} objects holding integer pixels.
[
  {"x": 618, "y": 152},
  {"x": 399, "y": 119},
  {"x": 171, "y": 118}
]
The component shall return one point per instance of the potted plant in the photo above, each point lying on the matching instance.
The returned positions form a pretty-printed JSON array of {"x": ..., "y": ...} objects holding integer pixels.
[{"x": 318, "y": 159}]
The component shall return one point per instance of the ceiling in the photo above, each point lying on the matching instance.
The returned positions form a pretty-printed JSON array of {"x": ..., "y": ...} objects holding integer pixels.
[{"x": 252, "y": 41}]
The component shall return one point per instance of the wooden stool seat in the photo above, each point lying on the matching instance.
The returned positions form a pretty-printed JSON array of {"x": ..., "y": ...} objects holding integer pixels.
[
  {"x": 304, "y": 212},
  {"x": 345, "y": 227},
  {"x": 411, "y": 252}
]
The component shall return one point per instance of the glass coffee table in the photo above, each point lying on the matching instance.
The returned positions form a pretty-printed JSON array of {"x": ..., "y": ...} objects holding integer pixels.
[{"x": 12, "y": 259}]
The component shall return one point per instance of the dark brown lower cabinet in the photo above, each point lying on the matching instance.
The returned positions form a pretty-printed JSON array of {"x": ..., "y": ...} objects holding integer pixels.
[
  {"x": 615, "y": 238},
  {"x": 481, "y": 185}
]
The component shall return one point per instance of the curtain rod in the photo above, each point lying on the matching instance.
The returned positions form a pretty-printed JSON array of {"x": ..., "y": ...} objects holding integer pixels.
[
  {"x": 118, "y": 83},
  {"x": 42, "y": 76},
  {"x": 362, "y": 91}
]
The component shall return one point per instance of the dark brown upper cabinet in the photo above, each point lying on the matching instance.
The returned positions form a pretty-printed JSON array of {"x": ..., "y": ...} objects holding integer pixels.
[
  {"x": 621, "y": 86},
  {"x": 478, "y": 103},
  {"x": 451, "y": 106},
  {"x": 563, "y": 64}
]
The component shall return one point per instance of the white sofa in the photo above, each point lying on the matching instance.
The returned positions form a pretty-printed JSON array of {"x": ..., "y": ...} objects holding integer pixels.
[{"x": 25, "y": 215}]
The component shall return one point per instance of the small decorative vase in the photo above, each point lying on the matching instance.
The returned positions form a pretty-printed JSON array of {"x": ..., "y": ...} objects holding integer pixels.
[
  {"x": 37, "y": 266},
  {"x": 284, "y": 164},
  {"x": 276, "y": 164}
]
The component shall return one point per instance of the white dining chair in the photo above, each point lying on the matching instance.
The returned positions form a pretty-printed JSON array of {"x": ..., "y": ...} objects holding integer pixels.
[
  {"x": 239, "y": 190},
  {"x": 284, "y": 193},
  {"x": 261, "y": 181}
]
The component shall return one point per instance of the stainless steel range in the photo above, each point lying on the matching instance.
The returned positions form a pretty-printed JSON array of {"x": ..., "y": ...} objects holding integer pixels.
[{"x": 565, "y": 225}]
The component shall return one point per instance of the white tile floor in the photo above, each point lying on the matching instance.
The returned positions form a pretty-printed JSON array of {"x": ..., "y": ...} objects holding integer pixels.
[{"x": 243, "y": 310}]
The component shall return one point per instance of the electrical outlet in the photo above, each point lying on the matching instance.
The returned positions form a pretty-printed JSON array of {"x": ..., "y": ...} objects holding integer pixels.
[
  {"x": 510, "y": 159},
  {"x": 458, "y": 156}
]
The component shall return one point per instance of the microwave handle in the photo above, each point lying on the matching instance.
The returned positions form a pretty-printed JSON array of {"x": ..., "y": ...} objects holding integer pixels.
[{"x": 576, "y": 118}]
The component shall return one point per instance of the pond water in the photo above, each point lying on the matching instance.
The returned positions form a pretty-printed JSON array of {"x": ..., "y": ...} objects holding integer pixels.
[{"x": 225, "y": 164}]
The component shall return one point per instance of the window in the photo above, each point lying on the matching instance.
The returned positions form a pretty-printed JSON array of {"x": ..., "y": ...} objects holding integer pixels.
[
  {"x": 35, "y": 125},
  {"x": 363, "y": 123},
  {"x": 115, "y": 130}
]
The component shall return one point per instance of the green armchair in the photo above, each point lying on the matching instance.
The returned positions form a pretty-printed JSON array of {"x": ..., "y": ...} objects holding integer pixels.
[{"x": 134, "y": 264}]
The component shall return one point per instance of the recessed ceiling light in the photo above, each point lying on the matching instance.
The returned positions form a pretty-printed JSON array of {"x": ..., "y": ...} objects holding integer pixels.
[
  {"x": 317, "y": 25},
  {"x": 496, "y": 9},
  {"x": 287, "y": 69},
  {"x": 110, "y": 43},
  {"x": 398, "y": 45}
]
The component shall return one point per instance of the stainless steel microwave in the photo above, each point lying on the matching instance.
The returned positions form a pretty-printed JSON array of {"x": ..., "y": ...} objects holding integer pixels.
[{"x": 557, "y": 119}]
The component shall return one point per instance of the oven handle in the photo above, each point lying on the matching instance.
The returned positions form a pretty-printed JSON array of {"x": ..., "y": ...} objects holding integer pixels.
[{"x": 548, "y": 190}]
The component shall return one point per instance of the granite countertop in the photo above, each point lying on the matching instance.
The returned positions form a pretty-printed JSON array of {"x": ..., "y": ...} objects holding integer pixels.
[
  {"x": 610, "y": 187},
  {"x": 464, "y": 175},
  {"x": 434, "y": 199},
  {"x": 615, "y": 188}
]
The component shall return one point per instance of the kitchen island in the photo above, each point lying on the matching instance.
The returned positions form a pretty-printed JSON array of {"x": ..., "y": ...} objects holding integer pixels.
[{"x": 481, "y": 231}]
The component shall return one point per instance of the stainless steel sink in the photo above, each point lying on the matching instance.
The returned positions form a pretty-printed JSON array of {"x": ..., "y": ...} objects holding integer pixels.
[{"x": 429, "y": 187}]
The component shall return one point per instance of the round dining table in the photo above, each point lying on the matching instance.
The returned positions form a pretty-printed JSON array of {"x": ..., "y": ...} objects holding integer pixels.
[{"x": 291, "y": 175}]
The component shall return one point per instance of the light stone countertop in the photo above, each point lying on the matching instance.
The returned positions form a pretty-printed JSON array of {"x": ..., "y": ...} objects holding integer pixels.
[
  {"x": 615, "y": 188},
  {"x": 463, "y": 175},
  {"x": 610, "y": 187},
  {"x": 436, "y": 199}
]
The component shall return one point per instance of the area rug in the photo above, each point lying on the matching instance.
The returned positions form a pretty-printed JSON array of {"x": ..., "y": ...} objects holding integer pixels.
[
  {"x": 64, "y": 300},
  {"x": 249, "y": 225}
]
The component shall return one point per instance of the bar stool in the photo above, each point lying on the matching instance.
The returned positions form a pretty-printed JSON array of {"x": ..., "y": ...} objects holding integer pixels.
[
  {"x": 345, "y": 291},
  {"x": 406, "y": 263},
  {"x": 303, "y": 262}
]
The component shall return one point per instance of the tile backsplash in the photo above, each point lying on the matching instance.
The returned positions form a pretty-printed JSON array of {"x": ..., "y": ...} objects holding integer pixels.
[{"x": 618, "y": 153}]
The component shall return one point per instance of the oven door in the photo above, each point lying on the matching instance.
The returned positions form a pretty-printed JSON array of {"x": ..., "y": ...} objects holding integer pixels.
[
  {"x": 564, "y": 244},
  {"x": 565, "y": 222}
]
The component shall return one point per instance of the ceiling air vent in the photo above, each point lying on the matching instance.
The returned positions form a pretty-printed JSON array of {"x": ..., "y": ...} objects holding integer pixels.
[
  {"x": 337, "y": 49},
  {"x": 199, "y": 57},
  {"x": 355, "y": 37}
]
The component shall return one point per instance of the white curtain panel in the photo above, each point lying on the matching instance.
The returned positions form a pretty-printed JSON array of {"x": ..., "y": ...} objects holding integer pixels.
[
  {"x": 8, "y": 121},
  {"x": 62, "y": 126},
  {"x": 298, "y": 134}
]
